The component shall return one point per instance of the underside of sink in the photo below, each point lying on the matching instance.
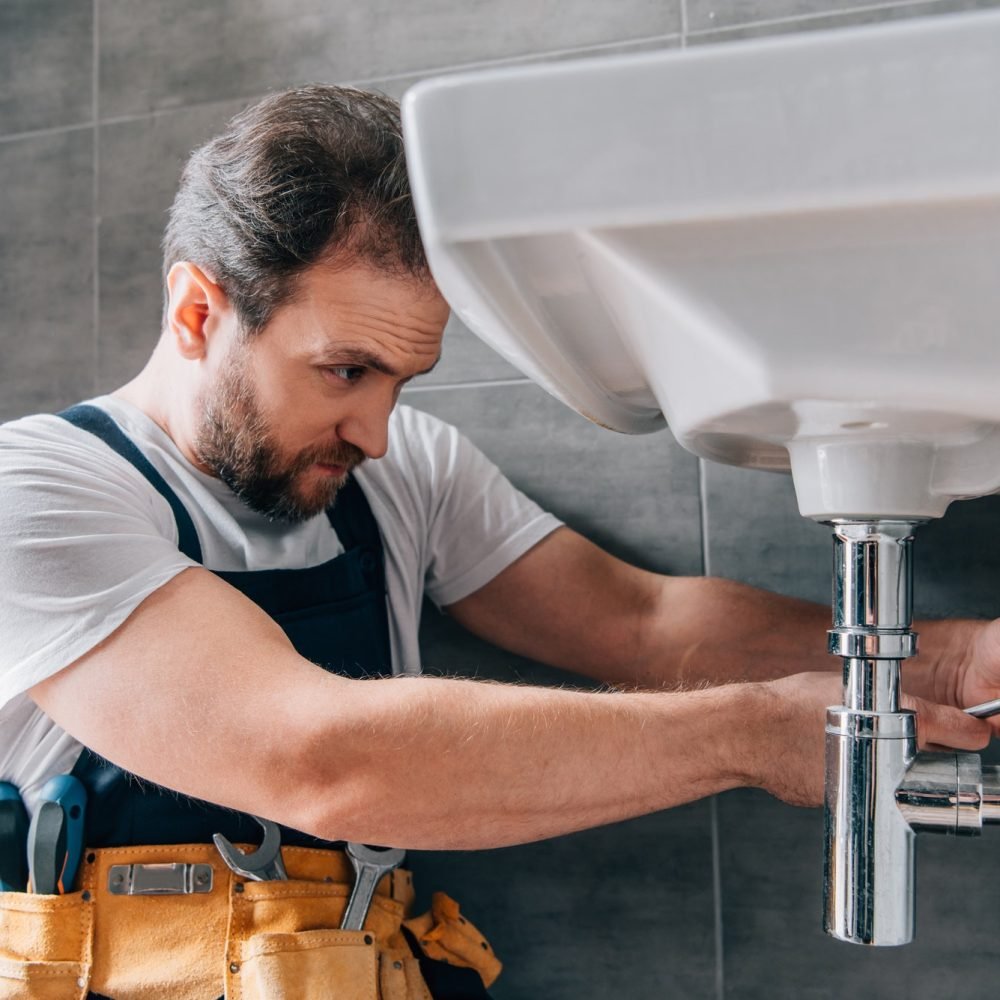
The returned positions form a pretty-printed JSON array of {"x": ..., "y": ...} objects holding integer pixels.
[{"x": 787, "y": 248}]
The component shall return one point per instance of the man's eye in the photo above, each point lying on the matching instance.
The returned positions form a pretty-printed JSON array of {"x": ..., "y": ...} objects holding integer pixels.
[{"x": 347, "y": 373}]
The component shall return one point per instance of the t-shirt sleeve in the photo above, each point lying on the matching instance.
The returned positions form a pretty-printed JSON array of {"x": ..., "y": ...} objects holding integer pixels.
[
  {"x": 84, "y": 539},
  {"x": 478, "y": 522}
]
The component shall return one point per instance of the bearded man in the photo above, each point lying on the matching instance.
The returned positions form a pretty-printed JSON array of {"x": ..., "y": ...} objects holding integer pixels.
[{"x": 210, "y": 586}]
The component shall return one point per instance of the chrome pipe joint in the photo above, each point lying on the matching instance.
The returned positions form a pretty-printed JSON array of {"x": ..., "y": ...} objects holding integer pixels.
[{"x": 879, "y": 789}]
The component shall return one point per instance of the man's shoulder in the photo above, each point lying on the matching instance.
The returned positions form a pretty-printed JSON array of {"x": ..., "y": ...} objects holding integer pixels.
[
  {"x": 42, "y": 455},
  {"x": 42, "y": 436}
]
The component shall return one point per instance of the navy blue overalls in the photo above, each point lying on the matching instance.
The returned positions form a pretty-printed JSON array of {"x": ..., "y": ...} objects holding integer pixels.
[{"x": 335, "y": 615}]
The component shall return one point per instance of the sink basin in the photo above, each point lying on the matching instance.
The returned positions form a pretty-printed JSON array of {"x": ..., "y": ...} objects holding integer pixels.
[{"x": 787, "y": 249}]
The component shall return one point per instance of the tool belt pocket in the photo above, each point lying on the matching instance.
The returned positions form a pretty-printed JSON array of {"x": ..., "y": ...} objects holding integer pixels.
[
  {"x": 45, "y": 945},
  {"x": 310, "y": 965},
  {"x": 284, "y": 942}
]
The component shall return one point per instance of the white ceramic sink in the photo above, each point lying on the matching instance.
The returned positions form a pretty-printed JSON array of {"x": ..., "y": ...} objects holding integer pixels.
[{"x": 788, "y": 248}]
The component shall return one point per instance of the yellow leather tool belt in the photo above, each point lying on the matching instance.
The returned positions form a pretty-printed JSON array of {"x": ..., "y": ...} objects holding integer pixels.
[{"x": 174, "y": 923}]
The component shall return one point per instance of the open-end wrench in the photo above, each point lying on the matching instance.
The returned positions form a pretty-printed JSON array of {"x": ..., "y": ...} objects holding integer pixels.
[
  {"x": 986, "y": 710},
  {"x": 370, "y": 864},
  {"x": 261, "y": 865}
]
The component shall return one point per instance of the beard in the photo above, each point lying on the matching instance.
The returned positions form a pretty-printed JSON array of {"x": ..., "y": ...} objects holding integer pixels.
[{"x": 237, "y": 444}]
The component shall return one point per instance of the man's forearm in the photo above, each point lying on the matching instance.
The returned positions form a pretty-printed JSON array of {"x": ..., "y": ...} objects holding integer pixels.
[
  {"x": 446, "y": 764},
  {"x": 714, "y": 630},
  {"x": 632, "y": 628},
  {"x": 711, "y": 630}
]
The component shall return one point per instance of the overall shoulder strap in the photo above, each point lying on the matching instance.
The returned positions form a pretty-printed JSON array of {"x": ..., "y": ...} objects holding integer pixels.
[
  {"x": 101, "y": 425},
  {"x": 352, "y": 518}
]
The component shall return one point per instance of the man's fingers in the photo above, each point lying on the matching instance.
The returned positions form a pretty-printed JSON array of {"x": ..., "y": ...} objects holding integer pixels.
[{"x": 948, "y": 727}]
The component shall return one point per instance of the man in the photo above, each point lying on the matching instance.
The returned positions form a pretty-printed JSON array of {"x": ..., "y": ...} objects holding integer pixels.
[{"x": 179, "y": 556}]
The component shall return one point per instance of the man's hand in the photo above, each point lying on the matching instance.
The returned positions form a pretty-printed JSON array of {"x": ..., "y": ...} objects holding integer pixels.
[
  {"x": 977, "y": 677},
  {"x": 959, "y": 664},
  {"x": 792, "y": 764}
]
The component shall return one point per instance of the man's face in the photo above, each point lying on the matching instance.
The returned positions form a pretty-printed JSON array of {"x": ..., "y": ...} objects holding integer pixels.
[{"x": 295, "y": 407}]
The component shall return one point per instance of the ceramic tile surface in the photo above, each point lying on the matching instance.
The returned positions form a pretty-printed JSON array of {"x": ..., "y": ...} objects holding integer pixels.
[
  {"x": 774, "y": 946},
  {"x": 46, "y": 64},
  {"x": 46, "y": 272},
  {"x": 637, "y": 496},
  {"x": 756, "y": 534},
  {"x": 571, "y": 924},
  {"x": 249, "y": 49},
  {"x": 141, "y": 161},
  {"x": 706, "y": 17}
]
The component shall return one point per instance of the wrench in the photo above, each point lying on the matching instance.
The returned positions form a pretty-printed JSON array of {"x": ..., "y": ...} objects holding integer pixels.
[
  {"x": 986, "y": 710},
  {"x": 370, "y": 864},
  {"x": 262, "y": 865}
]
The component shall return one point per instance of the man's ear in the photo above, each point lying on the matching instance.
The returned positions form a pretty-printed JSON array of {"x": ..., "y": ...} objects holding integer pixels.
[{"x": 195, "y": 304}]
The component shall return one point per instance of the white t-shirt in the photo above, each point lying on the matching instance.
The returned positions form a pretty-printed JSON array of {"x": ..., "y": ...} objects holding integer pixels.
[{"x": 84, "y": 539}]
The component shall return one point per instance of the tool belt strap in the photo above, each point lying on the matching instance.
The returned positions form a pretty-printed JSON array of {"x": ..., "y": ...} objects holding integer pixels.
[{"x": 172, "y": 921}]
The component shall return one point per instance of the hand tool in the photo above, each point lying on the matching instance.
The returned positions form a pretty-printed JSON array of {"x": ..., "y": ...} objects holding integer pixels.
[
  {"x": 261, "y": 865},
  {"x": 370, "y": 864},
  {"x": 13, "y": 840},
  {"x": 47, "y": 848},
  {"x": 985, "y": 710},
  {"x": 68, "y": 791}
]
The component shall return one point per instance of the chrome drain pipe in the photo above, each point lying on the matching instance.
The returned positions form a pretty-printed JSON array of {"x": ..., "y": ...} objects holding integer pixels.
[
  {"x": 870, "y": 743},
  {"x": 879, "y": 790}
]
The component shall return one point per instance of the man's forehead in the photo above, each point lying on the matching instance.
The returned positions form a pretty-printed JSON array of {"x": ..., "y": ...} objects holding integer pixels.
[{"x": 358, "y": 315}]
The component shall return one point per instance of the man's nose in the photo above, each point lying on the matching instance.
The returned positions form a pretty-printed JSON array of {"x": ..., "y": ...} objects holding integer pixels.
[{"x": 367, "y": 426}]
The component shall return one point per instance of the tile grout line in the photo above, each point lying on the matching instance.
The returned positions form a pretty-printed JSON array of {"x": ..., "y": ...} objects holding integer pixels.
[
  {"x": 720, "y": 961},
  {"x": 713, "y": 805},
  {"x": 684, "y": 35},
  {"x": 40, "y": 132},
  {"x": 96, "y": 191},
  {"x": 525, "y": 57},
  {"x": 415, "y": 74}
]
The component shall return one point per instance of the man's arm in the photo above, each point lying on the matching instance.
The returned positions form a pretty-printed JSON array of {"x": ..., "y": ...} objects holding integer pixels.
[
  {"x": 220, "y": 706},
  {"x": 570, "y": 604}
]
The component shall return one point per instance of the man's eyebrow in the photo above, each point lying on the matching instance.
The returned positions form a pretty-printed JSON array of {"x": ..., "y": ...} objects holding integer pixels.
[{"x": 346, "y": 356}]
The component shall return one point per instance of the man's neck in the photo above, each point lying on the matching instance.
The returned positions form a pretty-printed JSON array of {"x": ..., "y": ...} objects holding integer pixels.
[{"x": 172, "y": 413}]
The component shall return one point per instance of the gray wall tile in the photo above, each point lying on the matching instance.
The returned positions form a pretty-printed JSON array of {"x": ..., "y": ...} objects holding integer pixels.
[
  {"x": 141, "y": 160},
  {"x": 957, "y": 562},
  {"x": 806, "y": 15},
  {"x": 140, "y": 166},
  {"x": 46, "y": 64},
  {"x": 637, "y": 496},
  {"x": 705, "y": 14},
  {"x": 774, "y": 946},
  {"x": 573, "y": 922},
  {"x": 46, "y": 272},
  {"x": 396, "y": 86},
  {"x": 756, "y": 534},
  {"x": 148, "y": 61},
  {"x": 131, "y": 296}
]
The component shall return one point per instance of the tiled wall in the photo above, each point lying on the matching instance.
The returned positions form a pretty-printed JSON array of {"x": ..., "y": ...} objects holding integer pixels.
[{"x": 99, "y": 102}]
